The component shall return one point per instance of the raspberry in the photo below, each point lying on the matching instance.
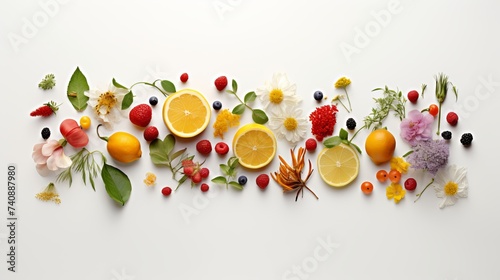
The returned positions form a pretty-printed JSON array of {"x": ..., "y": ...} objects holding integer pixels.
[
  {"x": 204, "y": 187},
  {"x": 452, "y": 118},
  {"x": 204, "y": 147},
  {"x": 221, "y": 148},
  {"x": 413, "y": 96},
  {"x": 221, "y": 83},
  {"x": 262, "y": 181},
  {"x": 351, "y": 124},
  {"x": 410, "y": 184},
  {"x": 311, "y": 144},
  {"x": 204, "y": 172},
  {"x": 45, "y": 133},
  {"x": 446, "y": 135},
  {"x": 466, "y": 139},
  {"x": 184, "y": 77},
  {"x": 166, "y": 191},
  {"x": 141, "y": 115},
  {"x": 151, "y": 133}
]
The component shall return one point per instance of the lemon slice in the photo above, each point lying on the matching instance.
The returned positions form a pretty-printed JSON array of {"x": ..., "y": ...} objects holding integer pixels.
[
  {"x": 338, "y": 166},
  {"x": 254, "y": 145},
  {"x": 186, "y": 113}
]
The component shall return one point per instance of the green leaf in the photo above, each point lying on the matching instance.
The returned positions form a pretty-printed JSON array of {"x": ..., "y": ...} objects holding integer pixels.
[
  {"x": 117, "y": 183},
  {"x": 116, "y": 84},
  {"x": 127, "y": 100},
  {"x": 233, "y": 162},
  {"x": 356, "y": 147},
  {"x": 177, "y": 154},
  {"x": 236, "y": 185},
  {"x": 249, "y": 97},
  {"x": 157, "y": 152},
  {"x": 235, "y": 86},
  {"x": 219, "y": 180},
  {"x": 343, "y": 134},
  {"x": 259, "y": 116},
  {"x": 332, "y": 142},
  {"x": 168, "y": 86},
  {"x": 239, "y": 109},
  {"x": 224, "y": 168},
  {"x": 76, "y": 88},
  {"x": 169, "y": 142}
]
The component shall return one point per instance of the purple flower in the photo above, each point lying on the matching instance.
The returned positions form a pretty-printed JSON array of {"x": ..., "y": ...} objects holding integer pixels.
[
  {"x": 430, "y": 155},
  {"x": 416, "y": 127}
]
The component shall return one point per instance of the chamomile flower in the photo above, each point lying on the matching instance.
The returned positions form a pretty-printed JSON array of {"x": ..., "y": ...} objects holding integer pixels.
[
  {"x": 107, "y": 104},
  {"x": 278, "y": 94},
  {"x": 451, "y": 184},
  {"x": 291, "y": 124}
]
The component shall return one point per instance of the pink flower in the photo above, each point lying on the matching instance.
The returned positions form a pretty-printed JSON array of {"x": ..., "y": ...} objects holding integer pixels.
[
  {"x": 49, "y": 156},
  {"x": 416, "y": 127}
]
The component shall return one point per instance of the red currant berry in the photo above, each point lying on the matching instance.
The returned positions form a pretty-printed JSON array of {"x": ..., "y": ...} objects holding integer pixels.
[
  {"x": 196, "y": 178},
  {"x": 184, "y": 77},
  {"x": 204, "y": 172},
  {"x": 410, "y": 184},
  {"x": 204, "y": 187},
  {"x": 166, "y": 191}
]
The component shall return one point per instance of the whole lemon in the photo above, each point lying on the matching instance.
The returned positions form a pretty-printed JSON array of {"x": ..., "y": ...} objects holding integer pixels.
[
  {"x": 380, "y": 145},
  {"x": 123, "y": 146}
]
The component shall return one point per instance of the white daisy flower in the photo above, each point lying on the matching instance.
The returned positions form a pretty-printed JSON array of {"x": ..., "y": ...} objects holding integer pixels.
[
  {"x": 451, "y": 184},
  {"x": 107, "y": 104},
  {"x": 290, "y": 124},
  {"x": 277, "y": 94}
]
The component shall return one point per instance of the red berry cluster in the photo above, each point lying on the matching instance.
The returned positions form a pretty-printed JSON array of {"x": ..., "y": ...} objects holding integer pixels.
[
  {"x": 323, "y": 121},
  {"x": 194, "y": 171}
]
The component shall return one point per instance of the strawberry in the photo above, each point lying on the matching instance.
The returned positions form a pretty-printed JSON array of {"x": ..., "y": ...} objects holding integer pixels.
[
  {"x": 221, "y": 83},
  {"x": 46, "y": 110},
  {"x": 262, "y": 181},
  {"x": 141, "y": 115},
  {"x": 184, "y": 77},
  {"x": 151, "y": 133},
  {"x": 204, "y": 147}
]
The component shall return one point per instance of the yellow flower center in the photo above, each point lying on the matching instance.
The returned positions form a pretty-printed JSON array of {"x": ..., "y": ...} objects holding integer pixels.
[
  {"x": 451, "y": 188},
  {"x": 276, "y": 96},
  {"x": 106, "y": 100},
  {"x": 290, "y": 124}
]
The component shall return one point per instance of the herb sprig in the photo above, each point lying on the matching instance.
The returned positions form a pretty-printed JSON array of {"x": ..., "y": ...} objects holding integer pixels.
[
  {"x": 82, "y": 162},
  {"x": 258, "y": 115},
  {"x": 48, "y": 82},
  {"x": 392, "y": 100},
  {"x": 230, "y": 172}
]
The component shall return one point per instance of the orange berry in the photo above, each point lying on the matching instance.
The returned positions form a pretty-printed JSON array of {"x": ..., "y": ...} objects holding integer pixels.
[
  {"x": 395, "y": 176},
  {"x": 433, "y": 110},
  {"x": 382, "y": 176},
  {"x": 367, "y": 187}
]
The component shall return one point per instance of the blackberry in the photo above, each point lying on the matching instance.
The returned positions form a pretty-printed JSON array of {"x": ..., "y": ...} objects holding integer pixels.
[
  {"x": 153, "y": 100},
  {"x": 318, "y": 95},
  {"x": 466, "y": 139},
  {"x": 45, "y": 133},
  {"x": 446, "y": 135},
  {"x": 351, "y": 124},
  {"x": 217, "y": 105},
  {"x": 242, "y": 180}
]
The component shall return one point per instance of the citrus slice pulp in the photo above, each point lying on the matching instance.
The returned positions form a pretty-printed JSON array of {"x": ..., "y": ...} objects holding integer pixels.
[
  {"x": 254, "y": 145},
  {"x": 338, "y": 166},
  {"x": 186, "y": 113}
]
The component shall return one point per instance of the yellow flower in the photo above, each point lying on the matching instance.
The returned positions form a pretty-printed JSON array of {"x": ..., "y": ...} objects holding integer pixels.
[
  {"x": 150, "y": 179},
  {"x": 342, "y": 82},
  {"x": 225, "y": 119},
  {"x": 49, "y": 194},
  {"x": 399, "y": 164},
  {"x": 396, "y": 192}
]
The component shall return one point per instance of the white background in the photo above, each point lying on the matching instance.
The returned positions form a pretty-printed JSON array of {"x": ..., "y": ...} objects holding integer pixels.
[{"x": 251, "y": 234}]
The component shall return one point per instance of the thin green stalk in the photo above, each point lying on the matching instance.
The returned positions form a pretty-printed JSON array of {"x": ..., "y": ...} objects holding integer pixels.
[
  {"x": 439, "y": 119},
  {"x": 422, "y": 192},
  {"x": 241, "y": 101},
  {"x": 348, "y": 99}
]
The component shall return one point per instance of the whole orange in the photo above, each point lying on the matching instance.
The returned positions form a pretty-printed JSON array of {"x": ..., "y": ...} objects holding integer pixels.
[{"x": 380, "y": 145}]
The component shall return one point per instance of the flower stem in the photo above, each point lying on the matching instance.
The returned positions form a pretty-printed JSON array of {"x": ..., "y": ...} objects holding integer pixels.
[
  {"x": 439, "y": 119},
  {"x": 348, "y": 99},
  {"x": 356, "y": 133},
  {"x": 151, "y": 85},
  {"x": 241, "y": 101},
  {"x": 420, "y": 194},
  {"x": 344, "y": 106}
]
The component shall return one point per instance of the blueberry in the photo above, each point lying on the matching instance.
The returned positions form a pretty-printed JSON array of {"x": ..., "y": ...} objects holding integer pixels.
[
  {"x": 318, "y": 95},
  {"x": 217, "y": 105},
  {"x": 153, "y": 100},
  {"x": 242, "y": 180}
]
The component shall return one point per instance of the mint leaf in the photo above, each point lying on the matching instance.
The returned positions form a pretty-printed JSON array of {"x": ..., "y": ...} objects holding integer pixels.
[
  {"x": 343, "y": 134},
  {"x": 235, "y": 86},
  {"x": 219, "y": 180},
  {"x": 259, "y": 116},
  {"x": 249, "y": 97},
  {"x": 239, "y": 109},
  {"x": 332, "y": 142},
  {"x": 117, "y": 183},
  {"x": 76, "y": 88},
  {"x": 236, "y": 185}
]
